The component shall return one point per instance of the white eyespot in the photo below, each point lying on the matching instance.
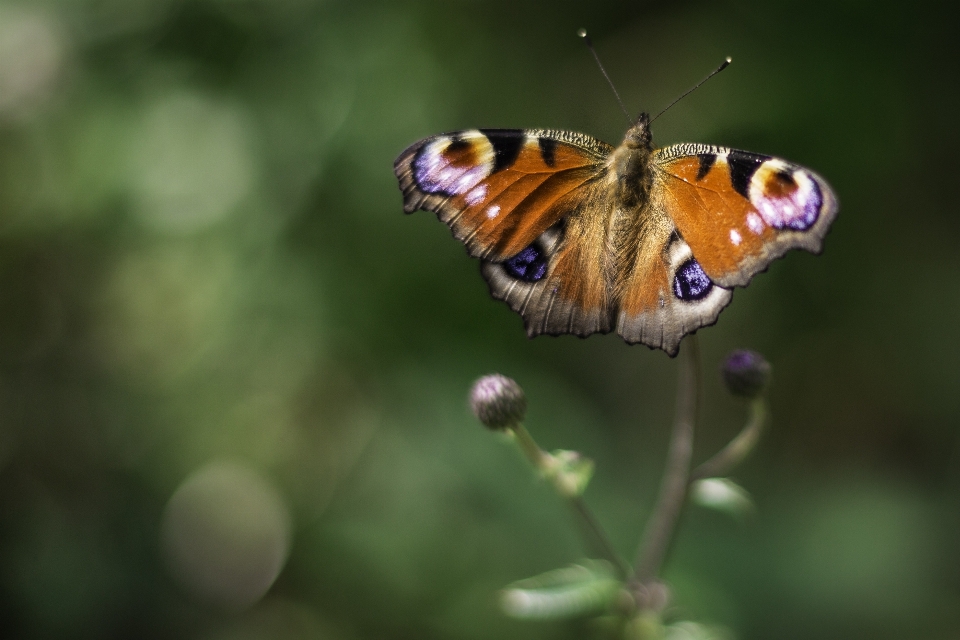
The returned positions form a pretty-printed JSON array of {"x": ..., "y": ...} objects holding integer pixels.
[
  {"x": 476, "y": 195},
  {"x": 493, "y": 211},
  {"x": 754, "y": 223},
  {"x": 735, "y": 237}
]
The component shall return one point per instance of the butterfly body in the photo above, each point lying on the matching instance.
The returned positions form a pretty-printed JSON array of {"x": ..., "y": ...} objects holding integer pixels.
[{"x": 580, "y": 237}]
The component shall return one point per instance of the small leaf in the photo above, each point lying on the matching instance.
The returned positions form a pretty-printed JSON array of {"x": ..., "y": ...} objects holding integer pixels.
[
  {"x": 646, "y": 625},
  {"x": 722, "y": 494},
  {"x": 569, "y": 471},
  {"x": 577, "y": 590}
]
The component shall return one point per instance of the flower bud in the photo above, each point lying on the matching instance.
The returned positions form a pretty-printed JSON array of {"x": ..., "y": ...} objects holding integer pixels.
[
  {"x": 746, "y": 373},
  {"x": 498, "y": 401}
]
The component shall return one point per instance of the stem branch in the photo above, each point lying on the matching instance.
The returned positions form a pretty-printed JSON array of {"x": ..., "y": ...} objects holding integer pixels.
[
  {"x": 739, "y": 448},
  {"x": 590, "y": 526}
]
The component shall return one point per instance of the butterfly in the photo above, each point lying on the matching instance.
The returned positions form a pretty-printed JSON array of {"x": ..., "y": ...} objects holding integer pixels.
[{"x": 581, "y": 237}]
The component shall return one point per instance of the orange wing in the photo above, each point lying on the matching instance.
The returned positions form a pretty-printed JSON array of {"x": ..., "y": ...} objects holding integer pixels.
[
  {"x": 739, "y": 211},
  {"x": 498, "y": 189}
]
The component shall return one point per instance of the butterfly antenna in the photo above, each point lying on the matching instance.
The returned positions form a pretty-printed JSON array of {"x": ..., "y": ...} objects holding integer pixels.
[
  {"x": 586, "y": 39},
  {"x": 722, "y": 66}
]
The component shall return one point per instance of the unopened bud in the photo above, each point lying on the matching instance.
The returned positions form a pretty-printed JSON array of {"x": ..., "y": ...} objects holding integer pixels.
[
  {"x": 746, "y": 373},
  {"x": 498, "y": 402}
]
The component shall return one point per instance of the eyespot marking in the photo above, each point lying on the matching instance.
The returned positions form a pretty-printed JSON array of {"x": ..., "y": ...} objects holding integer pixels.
[
  {"x": 690, "y": 283},
  {"x": 453, "y": 166},
  {"x": 786, "y": 197},
  {"x": 530, "y": 265}
]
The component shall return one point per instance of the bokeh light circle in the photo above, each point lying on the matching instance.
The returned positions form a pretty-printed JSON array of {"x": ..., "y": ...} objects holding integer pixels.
[
  {"x": 191, "y": 162},
  {"x": 226, "y": 534},
  {"x": 31, "y": 59}
]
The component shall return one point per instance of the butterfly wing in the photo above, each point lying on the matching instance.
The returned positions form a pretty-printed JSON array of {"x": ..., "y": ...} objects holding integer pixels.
[
  {"x": 714, "y": 219},
  {"x": 738, "y": 210},
  {"x": 524, "y": 202},
  {"x": 498, "y": 189}
]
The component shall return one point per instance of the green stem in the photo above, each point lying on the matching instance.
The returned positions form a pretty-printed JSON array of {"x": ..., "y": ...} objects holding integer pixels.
[
  {"x": 739, "y": 448},
  {"x": 589, "y": 524},
  {"x": 529, "y": 447},
  {"x": 673, "y": 487}
]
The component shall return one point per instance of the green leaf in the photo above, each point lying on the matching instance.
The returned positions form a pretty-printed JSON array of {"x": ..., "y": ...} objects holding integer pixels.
[
  {"x": 722, "y": 494},
  {"x": 574, "y": 591},
  {"x": 569, "y": 471}
]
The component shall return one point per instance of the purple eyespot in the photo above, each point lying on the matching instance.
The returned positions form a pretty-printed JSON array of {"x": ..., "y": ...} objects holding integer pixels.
[
  {"x": 529, "y": 265},
  {"x": 690, "y": 282},
  {"x": 789, "y": 200},
  {"x": 809, "y": 210}
]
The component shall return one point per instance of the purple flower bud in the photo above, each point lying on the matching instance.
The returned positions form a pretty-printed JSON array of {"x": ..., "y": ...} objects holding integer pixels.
[
  {"x": 498, "y": 402},
  {"x": 746, "y": 373}
]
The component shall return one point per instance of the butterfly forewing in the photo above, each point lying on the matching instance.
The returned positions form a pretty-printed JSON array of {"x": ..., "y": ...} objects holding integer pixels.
[
  {"x": 740, "y": 210},
  {"x": 498, "y": 189}
]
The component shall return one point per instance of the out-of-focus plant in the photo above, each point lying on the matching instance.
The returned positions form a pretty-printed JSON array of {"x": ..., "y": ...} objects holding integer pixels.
[{"x": 629, "y": 599}]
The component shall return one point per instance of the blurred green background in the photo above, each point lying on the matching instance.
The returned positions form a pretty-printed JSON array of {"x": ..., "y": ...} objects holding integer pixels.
[{"x": 233, "y": 374}]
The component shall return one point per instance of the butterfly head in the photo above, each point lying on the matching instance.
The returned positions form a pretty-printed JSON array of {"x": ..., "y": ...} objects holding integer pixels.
[{"x": 638, "y": 136}]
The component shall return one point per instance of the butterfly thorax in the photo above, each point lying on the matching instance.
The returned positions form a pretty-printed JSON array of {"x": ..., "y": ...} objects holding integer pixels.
[{"x": 630, "y": 164}]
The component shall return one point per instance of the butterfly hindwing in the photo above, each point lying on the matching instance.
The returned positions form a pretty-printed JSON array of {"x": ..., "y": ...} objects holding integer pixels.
[
  {"x": 738, "y": 210},
  {"x": 553, "y": 284},
  {"x": 665, "y": 294}
]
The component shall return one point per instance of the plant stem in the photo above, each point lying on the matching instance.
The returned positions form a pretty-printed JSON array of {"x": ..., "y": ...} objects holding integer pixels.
[
  {"x": 589, "y": 524},
  {"x": 529, "y": 447},
  {"x": 673, "y": 487},
  {"x": 739, "y": 448}
]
